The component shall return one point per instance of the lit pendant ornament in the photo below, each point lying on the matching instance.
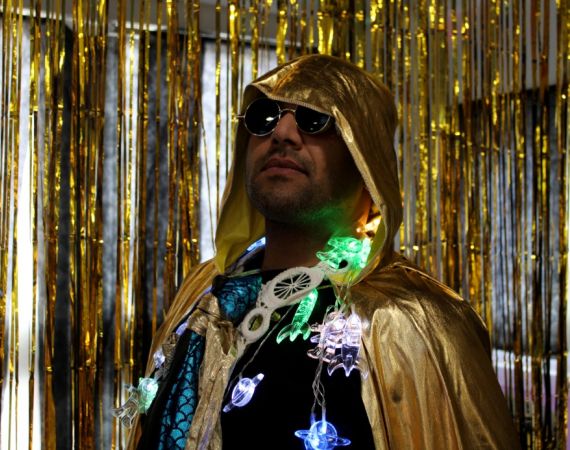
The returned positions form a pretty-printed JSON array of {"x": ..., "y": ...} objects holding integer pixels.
[
  {"x": 299, "y": 324},
  {"x": 243, "y": 391},
  {"x": 138, "y": 402},
  {"x": 345, "y": 253},
  {"x": 338, "y": 343},
  {"x": 322, "y": 435},
  {"x": 159, "y": 358},
  {"x": 350, "y": 347},
  {"x": 329, "y": 338}
]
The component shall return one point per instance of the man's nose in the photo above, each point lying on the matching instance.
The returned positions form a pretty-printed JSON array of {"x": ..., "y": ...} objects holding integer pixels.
[{"x": 286, "y": 129}]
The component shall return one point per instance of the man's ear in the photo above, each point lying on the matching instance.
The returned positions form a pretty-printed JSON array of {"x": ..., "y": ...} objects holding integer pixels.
[
  {"x": 364, "y": 210},
  {"x": 373, "y": 218}
]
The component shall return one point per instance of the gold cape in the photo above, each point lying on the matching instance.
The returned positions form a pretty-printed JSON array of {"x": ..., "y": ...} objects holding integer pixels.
[{"x": 431, "y": 384}]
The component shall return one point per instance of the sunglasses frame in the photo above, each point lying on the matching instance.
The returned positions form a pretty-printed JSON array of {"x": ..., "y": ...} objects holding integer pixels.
[{"x": 282, "y": 111}]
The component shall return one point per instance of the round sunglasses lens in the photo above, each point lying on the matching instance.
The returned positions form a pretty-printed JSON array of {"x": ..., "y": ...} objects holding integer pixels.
[
  {"x": 311, "y": 121},
  {"x": 261, "y": 116}
]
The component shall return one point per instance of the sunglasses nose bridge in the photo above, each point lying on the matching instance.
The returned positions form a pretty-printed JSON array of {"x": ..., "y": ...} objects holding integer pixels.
[{"x": 283, "y": 111}]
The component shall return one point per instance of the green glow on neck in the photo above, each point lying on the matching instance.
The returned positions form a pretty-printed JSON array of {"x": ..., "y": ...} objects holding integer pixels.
[{"x": 347, "y": 250}]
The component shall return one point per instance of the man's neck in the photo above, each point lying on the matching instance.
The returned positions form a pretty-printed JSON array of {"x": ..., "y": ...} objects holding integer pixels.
[{"x": 292, "y": 246}]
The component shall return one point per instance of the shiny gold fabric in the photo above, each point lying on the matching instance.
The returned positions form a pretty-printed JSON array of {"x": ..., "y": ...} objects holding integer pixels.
[
  {"x": 431, "y": 383},
  {"x": 329, "y": 85}
]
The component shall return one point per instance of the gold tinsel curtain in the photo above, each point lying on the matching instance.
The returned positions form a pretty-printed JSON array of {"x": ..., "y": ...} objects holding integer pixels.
[{"x": 107, "y": 162}]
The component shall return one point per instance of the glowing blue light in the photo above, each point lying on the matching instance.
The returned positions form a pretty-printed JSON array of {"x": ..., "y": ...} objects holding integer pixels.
[
  {"x": 243, "y": 391},
  {"x": 259, "y": 243},
  {"x": 159, "y": 358},
  {"x": 181, "y": 328},
  {"x": 321, "y": 436}
]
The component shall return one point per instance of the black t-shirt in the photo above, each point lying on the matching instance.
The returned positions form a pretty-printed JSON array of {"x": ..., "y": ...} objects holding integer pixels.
[{"x": 282, "y": 401}]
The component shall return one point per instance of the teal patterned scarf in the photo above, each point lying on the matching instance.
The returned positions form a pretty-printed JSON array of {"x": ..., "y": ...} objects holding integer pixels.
[{"x": 235, "y": 297}]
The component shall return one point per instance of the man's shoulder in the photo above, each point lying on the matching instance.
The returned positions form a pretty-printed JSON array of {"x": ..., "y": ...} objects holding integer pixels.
[
  {"x": 401, "y": 280},
  {"x": 196, "y": 282},
  {"x": 200, "y": 273},
  {"x": 198, "y": 278},
  {"x": 428, "y": 349},
  {"x": 400, "y": 292}
]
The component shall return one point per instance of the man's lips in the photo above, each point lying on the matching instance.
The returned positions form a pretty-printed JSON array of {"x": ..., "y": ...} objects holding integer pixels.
[{"x": 282, "y": 163}]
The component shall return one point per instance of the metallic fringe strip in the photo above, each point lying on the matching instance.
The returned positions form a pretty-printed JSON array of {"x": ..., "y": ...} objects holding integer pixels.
[{"x": 482, "y": 90}]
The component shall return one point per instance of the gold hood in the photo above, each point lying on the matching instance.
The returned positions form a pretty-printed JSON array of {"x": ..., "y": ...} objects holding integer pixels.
[{"x": 365, "y": 115}]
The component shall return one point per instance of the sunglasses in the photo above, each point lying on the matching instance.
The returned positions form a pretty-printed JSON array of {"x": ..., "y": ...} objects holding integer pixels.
[{"x": 263, "y": 114}]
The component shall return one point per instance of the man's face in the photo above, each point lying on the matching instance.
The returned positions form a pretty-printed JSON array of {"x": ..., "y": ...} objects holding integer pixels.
[{"x": 303, "y": 179}]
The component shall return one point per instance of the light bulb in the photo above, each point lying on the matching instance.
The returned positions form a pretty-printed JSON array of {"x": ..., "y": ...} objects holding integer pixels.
[
  {"x": 159, "y": 358},
  {"x": 299, "y": 324},
  {"x": 322, "y": 435},
  {"x": 352, "y": 251},
  {"x": 350, "y": 347},
  {"x": 243, "y": 391}
]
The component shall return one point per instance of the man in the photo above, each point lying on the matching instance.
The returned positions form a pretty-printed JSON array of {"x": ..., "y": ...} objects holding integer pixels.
[{"x": 233, "y": 367}]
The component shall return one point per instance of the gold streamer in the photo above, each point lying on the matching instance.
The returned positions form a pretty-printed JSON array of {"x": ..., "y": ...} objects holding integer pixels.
[
  {"x": 142, "y": 141},
  {"x": 157, "y": 151},
  {"x": 53, "y": 87},
  {"x": 33, "y": 127},
  {"x": 234, "y": 80},
  {"x": 5, "y": 183},
  {"x": 123, "y": 340},
  {"x": 281, "y": 30},
  {"x": 218, "y": 104},
  {"x": 255, "y": 27},
  {"x": 311, "y": 28},
  {"x": 358, "y": 36},
  {"x": 87, "y": 106},
  {"x": 172, "y": 76},
  {"x": 377, "y": 22},
  {"x": 518, "y": 269},
  {"x": 304, "y": 17},
  {"x": 293, "y": 21},
  {"x": 264, "y": 29},
  {"x": 191, "y": 167},
  {"x": 12, "y": 65},
  {"x": 563, "y": 144},
  {"x": 325, "y": 28}
]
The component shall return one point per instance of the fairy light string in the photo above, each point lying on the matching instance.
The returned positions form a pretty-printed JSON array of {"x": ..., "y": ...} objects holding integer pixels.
[{"x": 341, "y": 254}]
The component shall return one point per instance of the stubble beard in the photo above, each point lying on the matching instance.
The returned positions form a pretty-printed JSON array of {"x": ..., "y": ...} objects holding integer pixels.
[
  {"x": 300, "y": 207},
  {"x": 312, "y": 206}
]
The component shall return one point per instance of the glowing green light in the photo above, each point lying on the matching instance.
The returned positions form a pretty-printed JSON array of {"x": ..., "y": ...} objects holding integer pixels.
[
  {"x": 299, "y": 324},
  {"x": 342, "y": 251},
  {"x": 147, "y": 389}
]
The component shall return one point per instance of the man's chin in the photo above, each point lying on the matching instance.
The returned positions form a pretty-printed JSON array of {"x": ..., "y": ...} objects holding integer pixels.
[
  {"x": 278, "y": 206},
  {"x": 277, "y": 181}
]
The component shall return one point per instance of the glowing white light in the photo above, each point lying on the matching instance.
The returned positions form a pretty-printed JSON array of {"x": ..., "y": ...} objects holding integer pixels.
[
  {"x": 158, "y": 358},
  {"x": 350, "y": 348},
  {"x": 243, "y": 391},
  {"x": 321, "y": 436}
]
